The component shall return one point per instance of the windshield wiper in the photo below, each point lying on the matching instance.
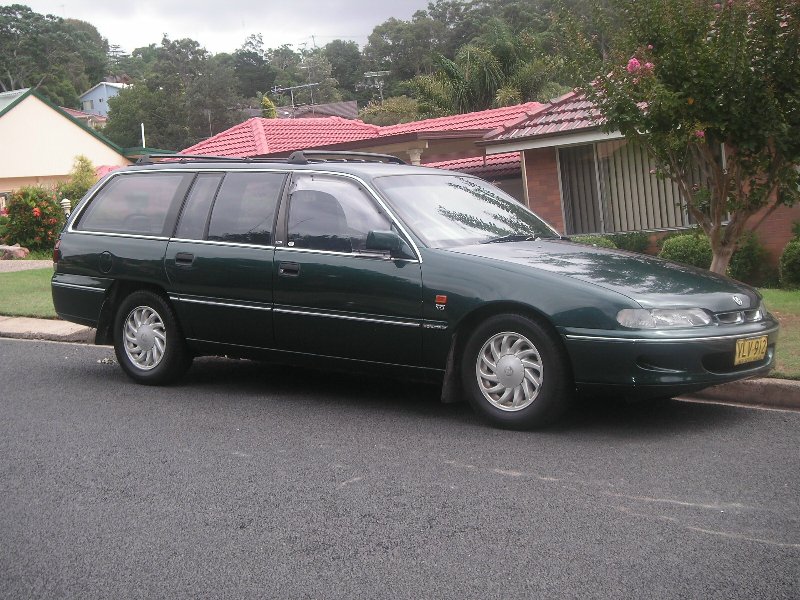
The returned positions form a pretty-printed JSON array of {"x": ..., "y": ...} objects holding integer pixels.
[{"x": 514, "y": 237}]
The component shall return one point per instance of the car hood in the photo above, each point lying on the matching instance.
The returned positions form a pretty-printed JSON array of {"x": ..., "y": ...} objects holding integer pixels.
[{"x": 650, "y": 281}]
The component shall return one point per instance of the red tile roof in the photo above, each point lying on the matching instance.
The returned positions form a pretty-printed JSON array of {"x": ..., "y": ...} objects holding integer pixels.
[
  {"x": 492, "y": 165},
  {"x": 484, "y": 119},
  {"x": 567, "y": 114},
  {"x": 258, "y": 136}
]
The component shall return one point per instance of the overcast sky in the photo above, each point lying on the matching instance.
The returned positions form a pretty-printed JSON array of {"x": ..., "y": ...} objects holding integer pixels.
[{"x": 222, "y": 25}]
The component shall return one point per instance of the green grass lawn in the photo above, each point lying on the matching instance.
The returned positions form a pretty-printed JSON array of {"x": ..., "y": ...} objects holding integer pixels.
[
  {"x": 27, "y": 294},
  {"x": 785, "y": 305}
]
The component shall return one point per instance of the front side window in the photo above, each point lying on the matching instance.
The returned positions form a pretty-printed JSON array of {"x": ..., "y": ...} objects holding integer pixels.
[
  {"x": 328, "y": 213},
  {"x": 138, "y": 203},
  {"x": 450, "y": 210},
  {"x": 244, "y": 211}
]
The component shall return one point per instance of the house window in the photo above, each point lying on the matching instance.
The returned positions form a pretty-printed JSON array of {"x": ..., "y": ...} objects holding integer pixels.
[
  {"x": 88, "y": 104},
  {"x": 608, "y": 187}
]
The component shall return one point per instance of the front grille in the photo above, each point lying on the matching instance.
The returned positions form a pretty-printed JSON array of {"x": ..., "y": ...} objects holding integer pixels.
[{"x": 739, "y": 316}]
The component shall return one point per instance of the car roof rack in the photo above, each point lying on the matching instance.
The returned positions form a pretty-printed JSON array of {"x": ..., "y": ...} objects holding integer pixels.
[
  {"x": 304, "y": 157},
  {"x": 149, "y": 159},
  {"x": 299, "y": 157}
]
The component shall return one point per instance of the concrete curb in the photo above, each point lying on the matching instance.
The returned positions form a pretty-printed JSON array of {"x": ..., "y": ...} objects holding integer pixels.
[
  {"x": 45, "y": 329},
  {"x": 774, "y": 393}
]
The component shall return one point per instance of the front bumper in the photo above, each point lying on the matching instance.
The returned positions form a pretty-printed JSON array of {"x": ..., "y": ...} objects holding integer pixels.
[{"x": 664, "y": 363}]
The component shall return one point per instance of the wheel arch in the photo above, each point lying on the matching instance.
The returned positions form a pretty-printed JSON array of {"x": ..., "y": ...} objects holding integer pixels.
[
  {"x": 119, "y": 290},
  {"x": 468, "y": 323}
]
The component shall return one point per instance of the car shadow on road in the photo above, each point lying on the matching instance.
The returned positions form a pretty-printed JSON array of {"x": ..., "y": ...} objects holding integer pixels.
[{"x": 372, "y": 394}]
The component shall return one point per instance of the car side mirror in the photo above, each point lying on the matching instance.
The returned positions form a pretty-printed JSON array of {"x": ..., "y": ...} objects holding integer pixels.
[{"x": 388, "y": 241}]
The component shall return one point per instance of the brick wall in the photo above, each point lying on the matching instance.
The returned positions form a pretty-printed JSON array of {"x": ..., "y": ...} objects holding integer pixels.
[
  {"x": 544, "y": 196},
  {"x": 776, "y": 230}
]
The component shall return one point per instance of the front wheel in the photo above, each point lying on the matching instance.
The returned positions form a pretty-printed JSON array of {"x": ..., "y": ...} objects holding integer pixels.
[
  {"x": 147, "y": 341},
  {"x": 515, "y": 374}
]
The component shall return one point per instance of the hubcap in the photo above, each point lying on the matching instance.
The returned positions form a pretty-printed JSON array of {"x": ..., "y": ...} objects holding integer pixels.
[
  {"x": 509, "y": 371},
  {"x": 145, "y": 337}
]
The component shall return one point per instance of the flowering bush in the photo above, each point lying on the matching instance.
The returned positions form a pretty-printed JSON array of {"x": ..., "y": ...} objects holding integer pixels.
[
  {"x": 34, "y": 218},
  {"x": 689, "y": 78}
]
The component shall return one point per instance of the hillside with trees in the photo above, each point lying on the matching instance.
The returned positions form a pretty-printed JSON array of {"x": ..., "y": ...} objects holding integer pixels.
[{"x": 452, "y": 57}]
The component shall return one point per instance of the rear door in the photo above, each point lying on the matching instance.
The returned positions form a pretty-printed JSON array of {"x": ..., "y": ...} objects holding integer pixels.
[{"x": 219, "y": 261}]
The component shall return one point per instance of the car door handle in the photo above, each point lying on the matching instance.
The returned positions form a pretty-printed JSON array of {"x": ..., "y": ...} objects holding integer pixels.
[
  {"x": 288, "y": 269},
  {"x": 184, "y": 259}
]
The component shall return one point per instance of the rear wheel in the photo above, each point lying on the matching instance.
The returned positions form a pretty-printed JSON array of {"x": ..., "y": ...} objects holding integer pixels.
[
  {"x": 515, "y": 374},
  {"x": 147, "y": 340}
]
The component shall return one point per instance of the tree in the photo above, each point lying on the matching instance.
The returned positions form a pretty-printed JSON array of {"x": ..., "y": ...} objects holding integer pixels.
[
  {"x": 254, "y": 74},
  {"x": 185, "y": 96},
  {"x": 713, "y": 87},
  {"x": 500, "y": 68},
  {"x": 163, "y": 114},
  {"x": 345, "y": 60},
  {"x": 60, "y": 57},
  {"x": 268, "y": 110},
  {"x": 399, "y": 109}
]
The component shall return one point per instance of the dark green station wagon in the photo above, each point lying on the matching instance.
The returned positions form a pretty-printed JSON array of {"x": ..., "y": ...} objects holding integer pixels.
[{"x": 353, "y": 261}]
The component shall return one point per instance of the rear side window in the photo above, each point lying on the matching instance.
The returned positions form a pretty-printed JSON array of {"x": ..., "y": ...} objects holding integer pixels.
[
  {"x": 194, "y": 217},
  {"x": 141, "y": 203},
  {"x": 244, "y": 211}
]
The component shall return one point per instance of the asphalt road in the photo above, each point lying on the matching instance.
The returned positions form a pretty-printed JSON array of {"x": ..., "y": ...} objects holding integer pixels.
[{"x": 252, "y": 481}]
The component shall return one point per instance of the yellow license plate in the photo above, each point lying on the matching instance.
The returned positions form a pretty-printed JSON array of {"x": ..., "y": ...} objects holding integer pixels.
[{"x": 750, "y": 350}]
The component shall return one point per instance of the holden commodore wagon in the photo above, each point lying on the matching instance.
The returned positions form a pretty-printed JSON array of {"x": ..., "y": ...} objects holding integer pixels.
[{"x": 355, "y": 261}]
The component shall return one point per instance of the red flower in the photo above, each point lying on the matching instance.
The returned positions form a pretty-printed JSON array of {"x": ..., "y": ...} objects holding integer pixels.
[{"x": 36, "y": 212}]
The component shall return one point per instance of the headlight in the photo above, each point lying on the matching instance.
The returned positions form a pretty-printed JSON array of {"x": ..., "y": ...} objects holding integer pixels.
[{"x": 663, "y": 318}]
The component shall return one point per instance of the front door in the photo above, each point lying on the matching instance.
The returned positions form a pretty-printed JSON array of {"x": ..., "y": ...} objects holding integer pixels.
[{"x": 332, "y": 297}]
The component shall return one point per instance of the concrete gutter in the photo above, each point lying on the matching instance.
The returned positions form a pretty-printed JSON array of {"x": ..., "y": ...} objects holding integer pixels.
[{"x": 773, "y": 393}]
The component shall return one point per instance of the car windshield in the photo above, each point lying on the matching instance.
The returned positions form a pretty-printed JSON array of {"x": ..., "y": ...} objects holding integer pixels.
[{"x": 451, "y": 210}]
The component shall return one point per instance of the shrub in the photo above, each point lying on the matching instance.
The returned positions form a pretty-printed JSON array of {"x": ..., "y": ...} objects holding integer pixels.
[
  {"x": 3, "y": 225},
  {"x": 81, "y": 178},
  {"x": 790, "y": 264},
  {"x": 688, "y": 248},
  {"x": 594, "y": 240},
  {"x": 34, "y": 218},
  {"x": 635, "y": 241},
  {"x": 748, "y": 260}
]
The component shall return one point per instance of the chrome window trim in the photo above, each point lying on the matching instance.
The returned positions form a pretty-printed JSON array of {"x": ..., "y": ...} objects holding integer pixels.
[
  {"x": 134, "y": 236},
  {"x": 361, "y": 255},
  {"x": 307, "y": 313},
  {"x": 194, "y": 300},
  {"x": 221, "y": 243},
  {"x": 393, "y": 217},
  {"x": 88, "y": 288},
  {"x": 716, "y": 338}
]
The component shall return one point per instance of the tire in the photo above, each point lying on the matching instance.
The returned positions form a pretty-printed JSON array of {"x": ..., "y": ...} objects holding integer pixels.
[
  {"x": 515, "y": 374},
  {"x": 148, "y": 343}
]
